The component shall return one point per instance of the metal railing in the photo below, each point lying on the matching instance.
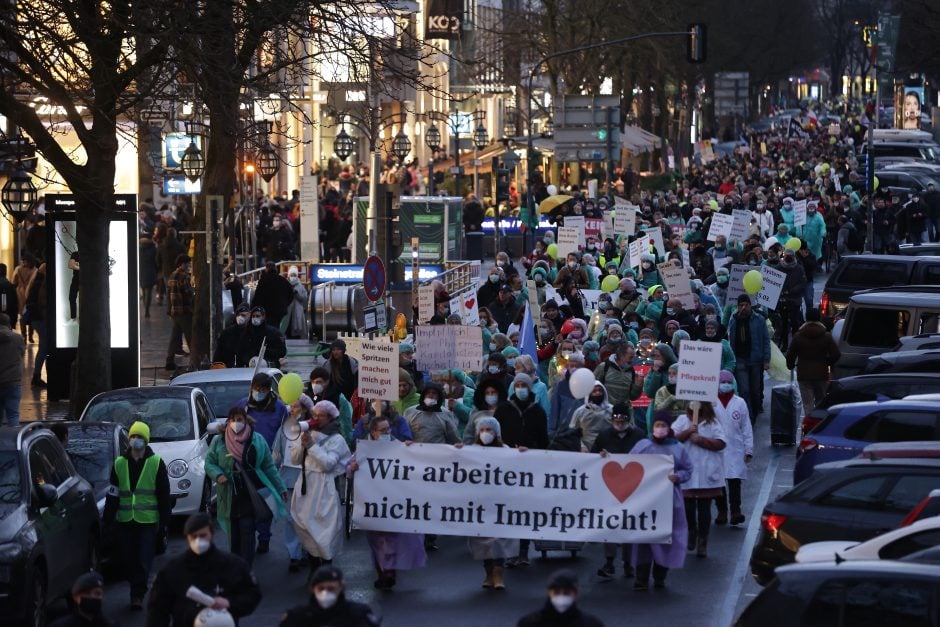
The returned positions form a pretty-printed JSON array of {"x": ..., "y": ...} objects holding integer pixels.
[
  {"x": 459, "y": 278},
  {"x": 327, "y": 303}
]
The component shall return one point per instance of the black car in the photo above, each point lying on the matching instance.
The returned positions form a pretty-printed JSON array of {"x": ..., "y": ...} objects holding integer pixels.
[
  {"x": 49, "y": 527},
  {"x": 854, "y": 499},
  {"x": 849, "y": 594},
  {"x": 904, "y": 361},
  {"x": 870, "y": 387}
]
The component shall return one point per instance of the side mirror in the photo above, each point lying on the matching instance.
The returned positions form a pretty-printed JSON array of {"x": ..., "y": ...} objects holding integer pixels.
[{"x": 46, "y": 495}]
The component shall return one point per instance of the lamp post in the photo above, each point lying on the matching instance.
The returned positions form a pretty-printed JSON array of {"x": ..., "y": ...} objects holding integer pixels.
[
  {"x": 480, "y": 138},
  {"x": 432, "y": 138},
  {"x": 18, "y": 196}
]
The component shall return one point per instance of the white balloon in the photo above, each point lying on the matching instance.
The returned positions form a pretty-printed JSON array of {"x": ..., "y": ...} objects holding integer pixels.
[
  {"x": 581, "y": 382},
  {"x": 552, "y": 190}
]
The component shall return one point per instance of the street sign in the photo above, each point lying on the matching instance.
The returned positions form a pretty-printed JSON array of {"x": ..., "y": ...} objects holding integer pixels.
[
  {"x": 373, "y": 278},
  {"x": 374, "y": 317},
  {"x": 456, "y": 169}
]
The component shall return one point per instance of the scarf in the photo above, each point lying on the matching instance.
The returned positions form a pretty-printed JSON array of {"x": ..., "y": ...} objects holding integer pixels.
[
  {"x": 742, "y": 337},
  {"x": 725, "y": 398},
  {"x": 235, "y": 442}
]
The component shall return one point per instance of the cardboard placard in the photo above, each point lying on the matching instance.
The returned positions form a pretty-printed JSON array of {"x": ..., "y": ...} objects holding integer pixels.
[
  {"x": 736, "y": 281},
  {"x": 378, "y": 370},
  {"x": 769, "y": 295},
  {"x": 799, "y": 213},
  {"x": 442, "y": 347},
  {"x": 470, "y": 308},
  {"x": 425, "y": 303},
  {"x": 720, "y": 224},
  {"x": 570, "y": 240},
  {"x": 699, "y": 368},
  {"x": 625, "y": 221},
  {"x": 741, "y": 225},
  {"x": 656, "y": 239},
  {"x": 677, "y": 284},
  {"x": 638, "y": 247}
]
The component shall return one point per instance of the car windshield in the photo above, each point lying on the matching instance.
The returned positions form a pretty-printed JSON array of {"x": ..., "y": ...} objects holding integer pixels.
[
  {"x": 10, "y": 488},
  {"x": 92, "y": 454},
  {"x": 223, "y": 395},
  {"x": 169, "y": 419}
]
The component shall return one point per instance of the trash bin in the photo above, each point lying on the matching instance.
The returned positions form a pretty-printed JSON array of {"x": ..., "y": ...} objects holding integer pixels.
[{"x": 474, "y": 250}]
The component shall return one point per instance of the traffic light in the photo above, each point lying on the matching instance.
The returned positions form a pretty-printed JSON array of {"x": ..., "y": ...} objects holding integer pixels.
[
  {"x": 696, "y": 50},
  {"x": 602, "y": 134},
  {"x": 502, "y": 185}
]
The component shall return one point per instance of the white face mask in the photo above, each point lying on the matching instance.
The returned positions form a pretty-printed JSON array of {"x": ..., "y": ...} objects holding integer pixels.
[
  {"x": 487, "y": 437},
  {"x": 199, "y": 545},
  {"x": 317, "y": 388},
  {"x": 326, "y": 598},
  {"x": 562, "y": 602},
  {"x": 238, "y": 427}
]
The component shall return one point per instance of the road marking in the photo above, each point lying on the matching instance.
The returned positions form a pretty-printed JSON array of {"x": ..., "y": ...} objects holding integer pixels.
[{"x": 740, "y": 570}]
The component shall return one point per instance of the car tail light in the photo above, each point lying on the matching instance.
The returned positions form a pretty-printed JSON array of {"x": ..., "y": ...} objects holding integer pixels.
[
  {"x": 824, "y": 303},
  {"x": 807, "y": 444},
  {"x": 772, "y": 522},
  {"x": 809, "y": 423}
]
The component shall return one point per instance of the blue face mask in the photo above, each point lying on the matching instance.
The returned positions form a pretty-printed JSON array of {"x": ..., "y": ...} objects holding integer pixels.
[
  {"x": 138, "y": 443},
  {"x": 259, "y": 396},
  {"x": 493, "y": 369},
  {"x": 634, "y": 325},
  {"x": 522, "y": 393},
  {"x": 494, "y": 278},
  {"x": 724, "y": 388},
  {"x": 511, "y": 363}
]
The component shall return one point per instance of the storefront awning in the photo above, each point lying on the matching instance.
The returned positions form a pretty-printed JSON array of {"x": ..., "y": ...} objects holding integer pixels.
[{"x": 638, "y": 141}]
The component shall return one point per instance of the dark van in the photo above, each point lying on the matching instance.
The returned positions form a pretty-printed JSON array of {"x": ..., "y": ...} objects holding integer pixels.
[{"x": 861, "y": 272}]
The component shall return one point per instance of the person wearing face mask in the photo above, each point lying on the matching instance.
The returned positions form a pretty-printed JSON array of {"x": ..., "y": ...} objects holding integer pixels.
[
  {"x": 406, "y": 361},
  {"x": 255, "y": 333},
  {"x": 618, "y": 438},
  {"x": 391, "y": 552},
  {"x": 328, "y": 604},
  {"x": 650, "y": 276},
  {"x": 87, "y": 595},
  {"x": 719, "y": 289},
  {"x": 561, "y": 607},
  {"x": 180, "y": 296},
  {"x": 430, "y": 421},
  {"x": 322, "y": 454},
  {"x": 288, "y": 434},
  {"x": 279, "y": 241},
  {"x": 665, "y": 398},
  {"x": 239, "y": 456},
  {"x": 504, "y": 308},
  {"x": 791, "y": 299},
  {"x": 226, "y": 348},
  {"x": 589, "y": 264},
  {"x": 321, "y": 388},
  {"x": 652, "y": 309},
  {"x": 297, "y": 310},
  {"x": 540, "y": 276},
  {"x": 563, "y": 403},
  {"x": 138, "y": 508},
  {"x": 787, "y": 216},
  {"x": 611, "y": 254},
  {"x": 660, "y": 558},
  {"x": 572, "y": 272},
  {"x": 731, "y": 411},
  {"x": 813, "y": 233},
  {"x": 225, "y": 577},
  {"x": 764, "y": 220},
  {"x": 628, "y": 299},
  {"x": 486, "y": 398},
  {"x": 592, "y": 416},
  {"x": 704, "y": 440},
  {"x": 489, "y": 290}
]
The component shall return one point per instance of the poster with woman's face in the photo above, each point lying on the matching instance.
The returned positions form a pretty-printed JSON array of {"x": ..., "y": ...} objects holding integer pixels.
[{"x": 910, "y": 108}]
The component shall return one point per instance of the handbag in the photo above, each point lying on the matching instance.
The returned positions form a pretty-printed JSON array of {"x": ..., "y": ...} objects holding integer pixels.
[{"x": 263, "y": 513}]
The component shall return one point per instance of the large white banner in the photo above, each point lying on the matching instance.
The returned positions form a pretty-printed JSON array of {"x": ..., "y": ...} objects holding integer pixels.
[
  {"x": 502, "y": 493},
  {"x": 446, "y": 346}
]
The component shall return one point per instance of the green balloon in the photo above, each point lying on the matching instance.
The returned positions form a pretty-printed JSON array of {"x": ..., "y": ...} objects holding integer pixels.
[
  {"x": 290, "y": 387},
  {"x": 610, "y": 283},
  {"x": 753, "y": 282}
]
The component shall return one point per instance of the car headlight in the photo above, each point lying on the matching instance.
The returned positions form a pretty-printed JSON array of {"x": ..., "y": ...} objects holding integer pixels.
[{"x": 177, "y": 468}]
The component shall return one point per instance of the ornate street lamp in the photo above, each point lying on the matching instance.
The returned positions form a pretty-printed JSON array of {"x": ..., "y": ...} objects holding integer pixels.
[
  {"x": 193, "y": 163},
  {"x": 432, "y": 138},
  {"x": 267, "y": 162},
  {"x": 401, "y": 145},
  {"x": 343, "y": 145},
  {"x": 19, "y": 194},
  {"x": 480, "y": 137}
]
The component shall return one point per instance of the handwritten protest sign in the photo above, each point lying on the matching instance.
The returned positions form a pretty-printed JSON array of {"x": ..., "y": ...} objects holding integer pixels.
[
  {"x": 425, "y": 302},
  {"x": 576, "y": 222},
  {"x": 378, "y": 370},
  {"x": 443, "y": 347},
  {"x": 720, "y": 225},
  {"x": 656, "y": 239},
  {"x": 532, "y": 291},
  {"x": 799, "y": 212},
  {"x": 699, "y": 366},
  {"x": 736, "y": 282},
  {"x": 625, "y": 221},
  {"x": 609, "y": 222},
  {"x": 638, "y": 247},
  {"x": 677, "y": 283},
  {"x": 499, "y": 492},
  {"x": 570, "y": 238},
  {"x": 740, "y": 226},
  {"x": 471, "y": 308},
  {"x": 769, "y": 295}
]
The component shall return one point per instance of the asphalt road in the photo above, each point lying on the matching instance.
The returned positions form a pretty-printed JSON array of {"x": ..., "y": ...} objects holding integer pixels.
[{"x": 706, "y": 592}]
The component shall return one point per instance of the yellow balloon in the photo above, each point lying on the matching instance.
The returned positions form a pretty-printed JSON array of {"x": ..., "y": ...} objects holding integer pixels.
[
  {"x": 610, "y": 283},
  {"x": 794, "y": 244},
  {"x": 290, "y": 387},
  {"x": 753, "y": 282},
  {"x": 552, "y": 251},
  {"x": 877, "y": 182}
]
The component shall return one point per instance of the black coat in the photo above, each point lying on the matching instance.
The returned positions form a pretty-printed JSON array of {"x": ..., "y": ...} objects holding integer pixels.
[
  {"x": 215, "y": 572},
  {"x": 522, "y": 423},
  {"x": 274, "y": 293},
  {"x": 614, "y": 442},
  {"x": 345, "y": 613},
  {"x": 248, "y": 344},
  {"x": 549, "y": 617},
  {"x": 147, "y": 263},
  {"x": 503, "y": 315}
]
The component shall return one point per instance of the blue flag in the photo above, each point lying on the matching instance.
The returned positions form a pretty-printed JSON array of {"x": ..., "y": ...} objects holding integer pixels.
[{"x": 527, "y": 344}]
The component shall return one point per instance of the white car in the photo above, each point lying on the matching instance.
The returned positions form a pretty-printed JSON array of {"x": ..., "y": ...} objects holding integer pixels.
[
  {"x": 178, "y": 418},
  {"x": 893, "y": 545},
  {"x": 224, "y": 387}
]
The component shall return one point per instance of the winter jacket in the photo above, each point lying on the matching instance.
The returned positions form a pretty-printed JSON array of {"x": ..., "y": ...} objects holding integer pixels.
[
  {"x": 622, "y": 384},
  {"x": 432, "y": 423},
  {"x": 759, "y": 350},
  {"x": 617, "y": 442},
  {"x": 522, "y": 423},
  {"x": 814, "y": 232},
  {"x": 813, "y": 351},
  {"x": 268, "y": 415},
  {"x": 592, "y": 418},
  {"x": 665, "y": 400},
  {"x": 562, "y": 406},
  {"x": 12, "y": 349},
  {"x": 548, "y": 616}
]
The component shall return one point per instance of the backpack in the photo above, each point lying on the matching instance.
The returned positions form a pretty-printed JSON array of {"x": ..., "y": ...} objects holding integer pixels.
[{"x": 854, "y": 240}]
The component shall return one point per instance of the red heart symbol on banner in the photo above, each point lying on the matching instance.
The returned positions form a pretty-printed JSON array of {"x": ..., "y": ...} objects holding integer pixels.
[
  {"x": 622, "y": 481},
  {"x": 469, "y": 303}
]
